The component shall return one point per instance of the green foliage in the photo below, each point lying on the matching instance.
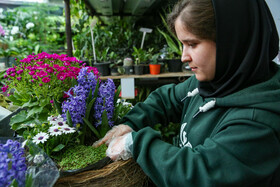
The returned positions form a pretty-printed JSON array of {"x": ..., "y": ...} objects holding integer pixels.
[
  {"x": 34, "y": 28},
  {"x": 172, "y": 41},
  {"x": 141, "y": 55}
]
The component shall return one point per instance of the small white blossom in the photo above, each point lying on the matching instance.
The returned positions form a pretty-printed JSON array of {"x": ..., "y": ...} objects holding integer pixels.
[
  {"x": 29, "y": 25},
  {"x": 56, "y": 120},
  {"x": 55, "y": 131},
  {"x": 40, "y": 138},
  {"x": 67, "y": 130},
  {"x": 15, "y": 30}
]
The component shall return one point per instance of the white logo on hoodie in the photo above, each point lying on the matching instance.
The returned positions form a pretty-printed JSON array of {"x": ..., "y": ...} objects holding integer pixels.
[{"x": 183, "y": 137}]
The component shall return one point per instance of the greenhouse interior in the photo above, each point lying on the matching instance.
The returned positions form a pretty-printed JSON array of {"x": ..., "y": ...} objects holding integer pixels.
[{"x": 139, "y": 93}]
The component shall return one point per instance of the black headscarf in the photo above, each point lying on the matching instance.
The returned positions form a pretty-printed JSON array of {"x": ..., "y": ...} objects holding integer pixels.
[{"x": 247, "y": 41}]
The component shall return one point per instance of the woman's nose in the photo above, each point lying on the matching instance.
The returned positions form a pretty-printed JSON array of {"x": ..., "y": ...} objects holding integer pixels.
[{"x": 185, "y": 56}]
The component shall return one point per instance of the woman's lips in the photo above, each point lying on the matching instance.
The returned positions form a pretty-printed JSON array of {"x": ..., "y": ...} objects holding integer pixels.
[{"x": 193, "y": 68}]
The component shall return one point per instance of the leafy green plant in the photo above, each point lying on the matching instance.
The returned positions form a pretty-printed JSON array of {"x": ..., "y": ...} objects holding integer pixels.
[
  {"x": 172, "y": 41},
  {"x": 141, "y": 55}
]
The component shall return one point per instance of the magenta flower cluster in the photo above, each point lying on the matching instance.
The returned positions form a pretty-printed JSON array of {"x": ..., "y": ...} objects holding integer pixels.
[
  {"x": 12, "y": 164},
  {"x": 44, "y": 75}
]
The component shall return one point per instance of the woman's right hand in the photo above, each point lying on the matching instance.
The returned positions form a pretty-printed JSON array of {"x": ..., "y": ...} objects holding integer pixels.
[{"x": 116, "y": 131}]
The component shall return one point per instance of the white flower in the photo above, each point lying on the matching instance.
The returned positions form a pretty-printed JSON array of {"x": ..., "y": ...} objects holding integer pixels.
[
  {"x": 15, "y": 30},
  {"x": 29, "y": 25},
  {"x": 56, "y": 120},
  {"x": 67, "y": 130},
  {"x": 40, "y": 138},
  {"x": 55, "y": 131}
]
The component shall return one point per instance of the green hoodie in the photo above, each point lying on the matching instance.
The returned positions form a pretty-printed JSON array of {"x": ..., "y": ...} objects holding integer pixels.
[{"x": 233, "y": 141}]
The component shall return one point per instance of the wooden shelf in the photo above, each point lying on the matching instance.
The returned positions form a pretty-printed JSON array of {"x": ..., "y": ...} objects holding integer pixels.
[{"x": 161, "y": 75}]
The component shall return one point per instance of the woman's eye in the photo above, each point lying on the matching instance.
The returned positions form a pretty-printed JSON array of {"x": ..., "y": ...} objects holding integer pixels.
[{"x": 192, "y": 44}]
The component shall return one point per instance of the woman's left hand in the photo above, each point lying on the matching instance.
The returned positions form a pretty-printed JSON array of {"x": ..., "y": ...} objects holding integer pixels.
[{"x": 119, "y": 147}]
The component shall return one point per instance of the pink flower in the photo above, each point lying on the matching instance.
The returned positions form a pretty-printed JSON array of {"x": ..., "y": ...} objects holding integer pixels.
[
  {"x": 49, "y": 69},
  {"x": 19, "y": 78},
  {"x": 40, "y": 84},
  {"x": 35, "y": 77},
  {"x": 61, "y": 76},
  {"x": 46, "y": 79},
  {"x": 19, "y": 71},
  {"x": 5, "y": 76},
  {"x": 4, "y": 88},
  {"x": 40, "y": 63},
  {"x": 42, "y": 74},
  {"x": 67, "y": 64},
  {"x": 51, "y": 101},
  {"x": 31, "y": 72},
  {"x": 12, "y": 74}
]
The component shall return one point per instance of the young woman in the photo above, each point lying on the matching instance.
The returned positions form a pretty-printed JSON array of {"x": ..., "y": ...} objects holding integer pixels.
[{"x": 229, "y": 110}]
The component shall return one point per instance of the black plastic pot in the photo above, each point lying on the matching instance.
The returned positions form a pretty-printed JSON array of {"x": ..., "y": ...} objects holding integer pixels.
[
  {"x": 174, "y": 65},
  {"x": 129, "y": 70},
  {"x": 103, "y": 68},
  {"x": 138, "y": 69}
]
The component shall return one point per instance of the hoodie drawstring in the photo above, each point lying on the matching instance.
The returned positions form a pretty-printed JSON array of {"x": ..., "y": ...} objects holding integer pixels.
[
  {"x": 206, "y": 107},
  {"x": 191, "y": 94}
]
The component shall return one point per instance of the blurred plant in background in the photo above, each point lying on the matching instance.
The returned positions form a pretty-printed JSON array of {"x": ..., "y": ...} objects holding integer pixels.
[{"x": 31, "y": 29}]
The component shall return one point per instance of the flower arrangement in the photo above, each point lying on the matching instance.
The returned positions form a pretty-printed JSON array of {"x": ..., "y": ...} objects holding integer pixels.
[
  {"x": 37, "y": 82},
  {"x": 80, "y": 111}
]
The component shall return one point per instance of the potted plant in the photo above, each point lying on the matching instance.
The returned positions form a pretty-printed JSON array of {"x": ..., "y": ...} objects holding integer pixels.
[
  {"x": 116, "y": 64},
  {"x": 103, "y": 62},
  {"x": 128, "y": 66},
  {"x": 141, "y": 57},
  {"x": 171, "y": 53},
  {"x": 154, "y": 65}
]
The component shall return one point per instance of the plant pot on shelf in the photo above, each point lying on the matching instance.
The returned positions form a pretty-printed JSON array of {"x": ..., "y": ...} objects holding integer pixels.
[
  {"x": 174, "y": 65},
  {"x": 128, "y": 70},
  {"x": 154, "y": 69},
  {"x": 114, "y": 71},
  {"x": 103, "y": 68},
  {"x": 138, "y": 69}
]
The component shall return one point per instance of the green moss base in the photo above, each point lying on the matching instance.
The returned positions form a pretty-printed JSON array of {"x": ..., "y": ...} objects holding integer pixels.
[{"x": 80, "y": 156}]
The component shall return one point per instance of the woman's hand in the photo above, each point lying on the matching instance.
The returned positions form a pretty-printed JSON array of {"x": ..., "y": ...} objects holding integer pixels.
[
  {"x": 115, "y": 132},
  {"x": 120, "y": 147}
]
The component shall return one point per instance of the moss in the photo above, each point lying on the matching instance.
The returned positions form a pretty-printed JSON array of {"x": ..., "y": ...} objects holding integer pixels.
[{"x": 80, "y": 156}]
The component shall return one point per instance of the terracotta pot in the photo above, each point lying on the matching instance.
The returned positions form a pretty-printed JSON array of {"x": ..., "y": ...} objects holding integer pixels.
[{"x": 154, "y": 69}]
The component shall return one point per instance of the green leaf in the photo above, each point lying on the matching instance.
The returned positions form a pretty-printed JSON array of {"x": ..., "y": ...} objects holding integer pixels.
[
  {"x": 28, "y": 180},
  {"x": 30, "y": 103},
  {"x": 89, "y": 96},
  {"x": 35, "y": 110},
  {"x": 69, "y": 119},
  {"x": 73, "y": 82},
  {"x": 104, "y": 125},
  {"x": 171, "y": 43},
  {"x": 15, "y": 100},
  {"x": 58, "y": 148},
  {"x": 89, "y": 108},
  {"x": 57, "y": 106},
  {"x": 18, "y": 118},
  {"x": 92, "y": 128}
]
